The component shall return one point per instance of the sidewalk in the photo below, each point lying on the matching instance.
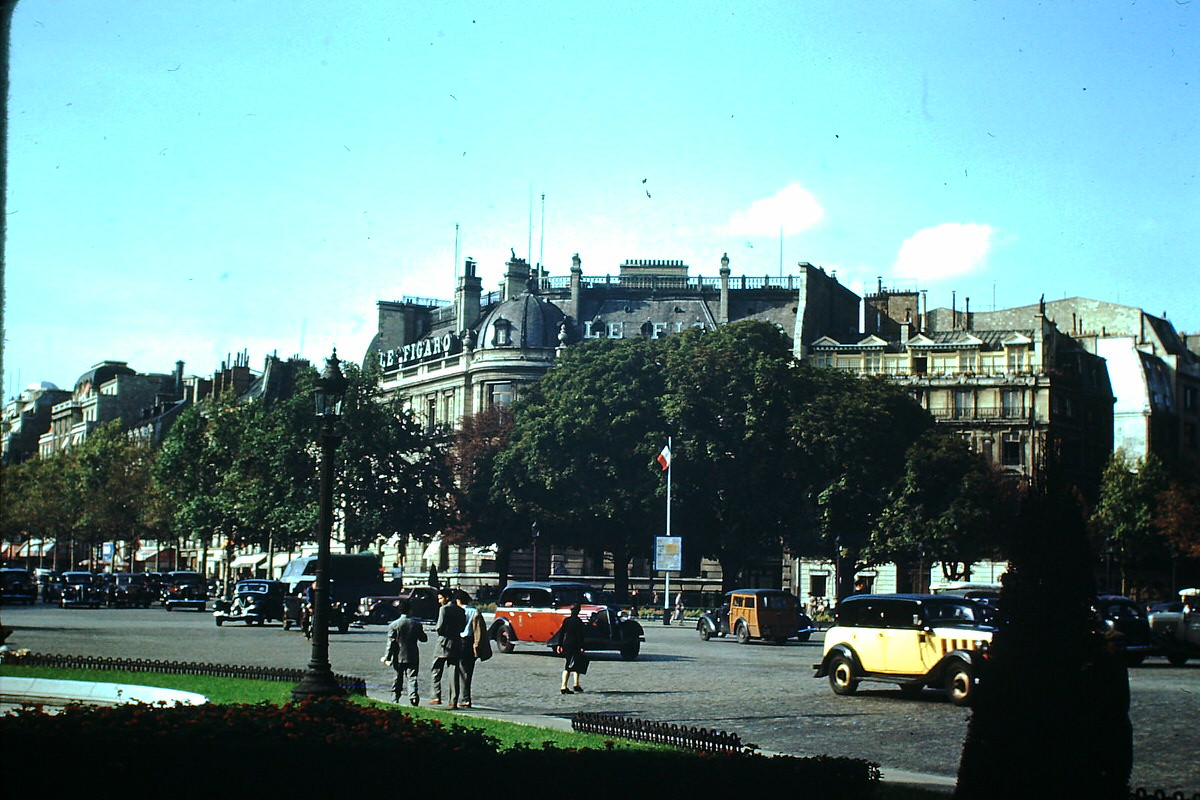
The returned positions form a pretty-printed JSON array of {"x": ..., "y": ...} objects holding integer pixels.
[{"x": 937, "y": 783}]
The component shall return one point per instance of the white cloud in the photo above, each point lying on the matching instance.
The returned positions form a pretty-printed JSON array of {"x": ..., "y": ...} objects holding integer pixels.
[
  {"x": 944, "y": 251},
  {"x": 793, "y": 208}
]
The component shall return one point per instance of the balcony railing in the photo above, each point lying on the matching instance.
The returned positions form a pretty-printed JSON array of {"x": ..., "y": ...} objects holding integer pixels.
[{"x": 978, "y": 413}]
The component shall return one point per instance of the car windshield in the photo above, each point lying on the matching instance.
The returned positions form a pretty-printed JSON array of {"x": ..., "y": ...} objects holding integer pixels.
[
  {"x": 1121, "y": 611},
  {"x": 252, "y": 588},
  {"x": 77, "y": 577},
  {"x": 941, "y": 613}
]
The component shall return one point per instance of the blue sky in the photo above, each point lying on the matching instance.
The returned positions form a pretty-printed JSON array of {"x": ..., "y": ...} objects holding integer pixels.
[{"x": 200, "y": 177}]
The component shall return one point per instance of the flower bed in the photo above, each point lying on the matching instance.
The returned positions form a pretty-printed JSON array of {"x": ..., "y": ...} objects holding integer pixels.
[{"x": 311, "y": 745}]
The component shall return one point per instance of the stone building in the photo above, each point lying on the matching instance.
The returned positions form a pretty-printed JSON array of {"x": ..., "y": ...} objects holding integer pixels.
[
  {"x": 447, "y": 360},
  {"x": 109, "y": 391},
  {"x": 1155, "y": 376},
  {"x": 1010, "y": 385},
  {"x": 25, "y": 418}
]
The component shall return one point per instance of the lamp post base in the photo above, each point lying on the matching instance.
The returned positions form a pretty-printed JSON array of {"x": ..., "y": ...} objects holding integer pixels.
[{"x": 318, "y": 682}]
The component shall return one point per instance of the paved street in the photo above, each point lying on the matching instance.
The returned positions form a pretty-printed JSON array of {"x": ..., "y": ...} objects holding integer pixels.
[{"x": 764, "y": 693}]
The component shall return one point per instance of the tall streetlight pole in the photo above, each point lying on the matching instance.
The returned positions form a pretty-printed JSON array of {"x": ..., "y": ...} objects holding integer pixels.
[{"x": 318, "y": 680}]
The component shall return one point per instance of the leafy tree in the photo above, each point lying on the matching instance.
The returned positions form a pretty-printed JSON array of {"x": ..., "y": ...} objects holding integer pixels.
[
  {"x": 580, "y": 455},
  {"x": 391, "y": 478},
  {"x": 730, "y": 393},
  {"x": 852, "y": 434},
  {"x": 480, "y": 513},
  {"x": 114, "y": 481},
  {"x": 40, "y": 499},
  {"x": 1124, "y": 516},
  {"x": 950, "y": 505},
  {"x": 1177, "y": 518}
]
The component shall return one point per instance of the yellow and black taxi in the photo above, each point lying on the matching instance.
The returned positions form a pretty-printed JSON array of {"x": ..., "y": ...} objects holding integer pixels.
[
  {"x": 770, "y": 614},
  {"x": 912, "y": 640}
]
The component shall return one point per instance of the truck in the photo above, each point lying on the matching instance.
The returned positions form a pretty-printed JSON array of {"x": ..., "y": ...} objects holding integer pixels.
[{"x": 1176, "y": 630}]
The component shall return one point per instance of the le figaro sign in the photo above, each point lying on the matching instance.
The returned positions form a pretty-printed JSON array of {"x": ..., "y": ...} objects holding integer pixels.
[{"x": 420, "y": 350}]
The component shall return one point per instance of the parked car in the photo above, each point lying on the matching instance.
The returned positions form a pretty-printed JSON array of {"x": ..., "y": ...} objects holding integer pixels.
[
  {"x": 534, "y": 611},
  {"x": 382, "y": 609},
  {"x": 770, "y": 614},
  {"x": 185, "y": 589},
  {"x": 1177, "y": 633},
  {"x": 255, "y": 601},
  {"x": 130, "y": 590},
  {"x": 17, "y": 586},
  {"x": 911, "y": 640},
  {"x": 49, "y": 584},
  {"x": 80, "y": 589},
  {"x": 1123, "y": 616}
]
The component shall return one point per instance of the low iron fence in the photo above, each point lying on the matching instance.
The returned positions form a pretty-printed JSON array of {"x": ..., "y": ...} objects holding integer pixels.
[
  {"x": 642, "y": 730},
  {"x": 350, "y": 684}
]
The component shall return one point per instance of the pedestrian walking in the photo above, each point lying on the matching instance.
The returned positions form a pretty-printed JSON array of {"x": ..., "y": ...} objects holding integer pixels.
[
  {"x": 402, "y": 654},
  {"x": 450, "y": 623},
  {"x": 679, "y": 607},
  {"x": 475, "y": 647},
  {"x": 569, "y": 644}
]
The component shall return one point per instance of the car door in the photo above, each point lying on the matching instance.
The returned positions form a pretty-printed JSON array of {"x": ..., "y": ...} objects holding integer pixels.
[{"x": 899, "y": 636}]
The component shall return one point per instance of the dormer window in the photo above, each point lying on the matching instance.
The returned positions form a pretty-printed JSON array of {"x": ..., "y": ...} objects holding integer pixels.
[{"x": 503, "y": 333}]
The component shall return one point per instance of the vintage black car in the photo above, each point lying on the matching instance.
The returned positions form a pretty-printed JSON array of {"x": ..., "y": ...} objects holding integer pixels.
[
  {"x": 382, "y": 609},
  {"x": 49, "y": 583},
  {"x": 298, "y": 612},
  {"x": 129, "y": 590},
  {"x": 185, "y": 589},
  {"x": 1125, "y": 618},
  {"x": 255, "y": 601},
  {"x": 80, "y": 589},
  {"x": 770, "y": 614},
  {"x": 17, "y": 586},
  {"x": 535, "y": 610}
]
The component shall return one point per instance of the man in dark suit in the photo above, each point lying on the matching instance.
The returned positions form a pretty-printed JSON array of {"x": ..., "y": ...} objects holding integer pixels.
[
  {"x": 403, "y": 634},
  {"x": 450, "y": 623}
]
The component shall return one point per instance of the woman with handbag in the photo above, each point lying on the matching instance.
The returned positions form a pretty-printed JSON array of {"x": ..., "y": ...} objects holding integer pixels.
[{"x": 570, "y": 646}]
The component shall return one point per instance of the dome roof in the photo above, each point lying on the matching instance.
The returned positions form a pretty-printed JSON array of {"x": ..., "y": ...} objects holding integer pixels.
[
  {"x": 102, "y": 373},
  {"x": 524, "y": 321},
  {"x": 41, "y": 386}
]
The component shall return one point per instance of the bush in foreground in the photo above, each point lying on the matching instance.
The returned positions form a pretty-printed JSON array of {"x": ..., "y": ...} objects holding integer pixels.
[{"x": 331, "y": 744}]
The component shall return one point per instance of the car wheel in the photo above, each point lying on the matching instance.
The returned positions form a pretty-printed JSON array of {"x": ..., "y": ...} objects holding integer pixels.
[
  {"x": 743, "y": 633},
  {"x": 1177, "y": 659},
  {"x": 960, "y": 686},
  {"x": 630, "y": 650},
  {"x": 219, "y": 621},
  {"x": 168, "y": 606},
  {"x": 705, "y": 633},
  {"x": 841, "y": 675},
  {"x": 504, "y": 641},
  {"x": 781, "y": 640},
  {"x": 804, "y": 637}
]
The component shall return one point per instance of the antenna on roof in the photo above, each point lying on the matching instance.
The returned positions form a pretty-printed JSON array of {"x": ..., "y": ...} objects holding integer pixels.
[{"x": 542, "y": 244}]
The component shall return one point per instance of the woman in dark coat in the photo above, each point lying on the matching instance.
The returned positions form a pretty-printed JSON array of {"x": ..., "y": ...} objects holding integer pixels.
[{"x": 570, "y": 646}]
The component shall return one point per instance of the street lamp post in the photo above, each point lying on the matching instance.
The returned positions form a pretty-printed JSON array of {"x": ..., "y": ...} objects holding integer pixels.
[{"x": 318, "y": 679}]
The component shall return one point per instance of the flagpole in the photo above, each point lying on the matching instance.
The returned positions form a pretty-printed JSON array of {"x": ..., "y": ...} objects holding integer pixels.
[{"x": 667, "y": 573}]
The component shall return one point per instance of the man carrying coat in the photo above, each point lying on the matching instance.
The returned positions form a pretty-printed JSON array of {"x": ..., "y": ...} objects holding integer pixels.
[
  {"x": 403, "y": 634},
  {"x": 450, "y": 623}
]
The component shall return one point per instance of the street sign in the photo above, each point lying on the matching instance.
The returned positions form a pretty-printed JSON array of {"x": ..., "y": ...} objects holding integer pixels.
[{"x": 668, "y": 553}]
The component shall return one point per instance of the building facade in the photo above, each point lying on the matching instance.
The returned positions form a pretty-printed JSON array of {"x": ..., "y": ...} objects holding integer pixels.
[{"x": 26, "y": 418}]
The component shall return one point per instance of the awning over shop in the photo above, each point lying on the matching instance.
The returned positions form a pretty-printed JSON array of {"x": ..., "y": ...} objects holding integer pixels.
[
  {"x": 36, "y": 548},
  {"x": 252, "y": 560},
  {"x": 11, "y": 551},
  {"x": 154, "y": 554},
  {"x": 280, "y": 560}
]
